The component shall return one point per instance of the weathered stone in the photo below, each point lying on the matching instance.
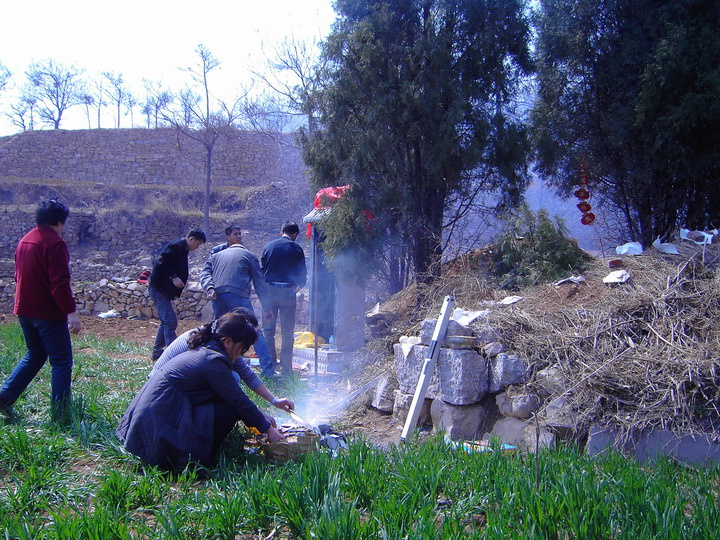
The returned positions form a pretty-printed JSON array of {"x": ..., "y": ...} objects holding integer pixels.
[
  {"x": 510, "y": 430},
  {"x": 534, "y": 440},
  {"x": 696, "y": 449},
  {"x": 552, "y": 380},
  {"x": 487, "y": 334},
  {"x": 505, "y": 369},
  {"x": 459, "y": 422},
  {"x": 460, "y": 376},
  {"x": 494, "y": 348},
  {"x": 517, "y": 405},
  {"x": 401, "y": 407},
  {"x": 384, "y": 398},
  {"x": 560, "y": 416},
  {"x": 454, "y": 328}
]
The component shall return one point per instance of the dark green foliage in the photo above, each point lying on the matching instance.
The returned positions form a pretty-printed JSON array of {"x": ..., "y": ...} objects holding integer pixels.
[
  {"x": 630, "y": 88},
  {"x": 414, "y": 107},
  {"x": 534, "y": 248}
]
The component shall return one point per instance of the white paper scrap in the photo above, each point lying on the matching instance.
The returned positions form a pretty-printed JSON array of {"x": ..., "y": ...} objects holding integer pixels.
[
  {"x": 406, "y": 344},
  {"x": 110, "y": 313},
  {"x": 618, "y": 276},
  {"x": 665, "y": 247},
  {"x": 699, "y": 237},
  {"x": 631, "y": 248},
  {"x": 465, "y": 317},
  {"x": 510, "y": 300},
  {"x": 571, "y": 279}
]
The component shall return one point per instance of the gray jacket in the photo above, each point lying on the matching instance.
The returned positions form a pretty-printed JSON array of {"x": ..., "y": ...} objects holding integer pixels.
[{"x": 234, "y": 270}]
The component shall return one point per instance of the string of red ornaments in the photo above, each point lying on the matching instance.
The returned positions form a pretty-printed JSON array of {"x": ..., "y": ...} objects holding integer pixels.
[{"x": 583, "y": 194}]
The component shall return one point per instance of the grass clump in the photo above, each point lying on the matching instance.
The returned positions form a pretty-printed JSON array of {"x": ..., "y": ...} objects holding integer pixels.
[{"x": 535, "y": 248}]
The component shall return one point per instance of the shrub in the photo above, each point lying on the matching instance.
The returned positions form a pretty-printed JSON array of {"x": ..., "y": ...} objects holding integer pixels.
[{"x": 536, "y": 248}]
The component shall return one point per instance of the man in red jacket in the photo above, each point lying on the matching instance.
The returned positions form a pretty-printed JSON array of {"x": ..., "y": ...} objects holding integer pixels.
[{"x": 45, "y": 308}]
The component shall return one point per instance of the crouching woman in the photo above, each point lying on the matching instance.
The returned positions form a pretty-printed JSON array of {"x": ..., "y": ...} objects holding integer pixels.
[{"x": 184, "y": 411}]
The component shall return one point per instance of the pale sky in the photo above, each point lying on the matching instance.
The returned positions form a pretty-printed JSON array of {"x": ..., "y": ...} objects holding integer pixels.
[{"x": 151, "y": 39}]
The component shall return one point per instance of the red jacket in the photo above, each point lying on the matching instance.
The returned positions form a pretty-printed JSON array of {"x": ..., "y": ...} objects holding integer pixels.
[{"x": 42, "y": 274}]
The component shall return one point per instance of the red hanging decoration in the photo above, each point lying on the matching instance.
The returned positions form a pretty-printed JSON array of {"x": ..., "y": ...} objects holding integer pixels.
[
  {"x": 587, "y": 219},
  {"x": 584, "y": 207}
]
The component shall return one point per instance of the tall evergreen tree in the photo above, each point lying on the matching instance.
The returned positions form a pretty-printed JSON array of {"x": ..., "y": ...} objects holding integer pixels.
[
  {"x": 630, "y": 88},
  {"x": 415, "y": 106}
]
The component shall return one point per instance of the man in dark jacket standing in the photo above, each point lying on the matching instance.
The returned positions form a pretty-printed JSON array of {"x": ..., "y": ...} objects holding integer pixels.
[
  {"x": 45, "y": 308},
  {"x": 283, "y": 264},
  {"x": 167, "y": 281}
]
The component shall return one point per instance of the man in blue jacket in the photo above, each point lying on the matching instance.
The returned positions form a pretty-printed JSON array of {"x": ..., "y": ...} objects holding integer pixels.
[
  {"x": 228, "y": 279},
  {"x": 167, "y": 281},
  {"x": 283, "y": 264}
]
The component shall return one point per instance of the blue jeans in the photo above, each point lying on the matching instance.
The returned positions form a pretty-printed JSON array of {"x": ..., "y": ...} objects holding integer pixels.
[
  {"x": 43, "y": 339},
  {"x": 168, "y": 321},
  {"x": 283, "y": 305},
  {"x": 224, "y": 303}
]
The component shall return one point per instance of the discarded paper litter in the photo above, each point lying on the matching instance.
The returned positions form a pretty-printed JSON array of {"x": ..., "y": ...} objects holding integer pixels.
[{"x": 618, "y": 276}]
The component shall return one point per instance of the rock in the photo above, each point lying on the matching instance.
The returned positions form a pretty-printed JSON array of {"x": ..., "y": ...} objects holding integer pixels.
[
  {"x": 510, "y": 430},
  {"x": 552, "y": 380},
  {"x": 401, "y": 407},
  {"x": 505, "y": 369},
  {"x": 384, "y": 399},
  {"x": 560, "y": 416},
  {"x": 460, "y": 376},
  {"x": 517, "y": 405},
  {"x": 454, "y": 328},
  {"x": 494, "y": 348},
  {"x": 459, "y": 422},
  {"x": 696, "y": 448}
]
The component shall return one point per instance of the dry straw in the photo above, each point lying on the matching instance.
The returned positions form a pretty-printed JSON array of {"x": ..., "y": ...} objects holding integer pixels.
[{"x": 638, "y": 355}]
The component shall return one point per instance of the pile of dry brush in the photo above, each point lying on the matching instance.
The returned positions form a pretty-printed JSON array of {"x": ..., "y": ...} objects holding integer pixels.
[{"x": 644, "y": 354}]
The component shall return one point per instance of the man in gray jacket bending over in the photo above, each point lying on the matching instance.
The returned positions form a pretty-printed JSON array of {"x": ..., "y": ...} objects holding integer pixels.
[{"x": 228, "y": 278}]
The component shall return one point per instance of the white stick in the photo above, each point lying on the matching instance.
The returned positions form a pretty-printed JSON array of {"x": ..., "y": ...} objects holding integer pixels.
[{"x": 428, "y": 366}]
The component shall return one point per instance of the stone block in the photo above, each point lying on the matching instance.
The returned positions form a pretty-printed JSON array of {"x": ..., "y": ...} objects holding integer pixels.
[
  {"x": 494, "y": 348},
  {"x": 460, "y": 376},
  {"x": 517, "y": 405},
  {"x": 510, "y": 430},
  {"x": 401, "y": 407},
  {"x": 534, "y": 440},
  {"x": 560, "y": 418},
  {"x": 454, "y": 329},
  {"x": 384, "y": 398},
  {"x": 459, "y": 422},
  {"x": 552, "y": 380},
  {"x": 505, "y": 369}
]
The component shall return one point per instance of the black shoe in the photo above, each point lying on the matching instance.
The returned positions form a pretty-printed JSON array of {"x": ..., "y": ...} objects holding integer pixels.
[{"x": 11, "y": 417}]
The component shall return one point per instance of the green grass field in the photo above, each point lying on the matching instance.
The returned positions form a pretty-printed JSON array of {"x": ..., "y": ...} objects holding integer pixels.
[{"x": 77, "y": 482}]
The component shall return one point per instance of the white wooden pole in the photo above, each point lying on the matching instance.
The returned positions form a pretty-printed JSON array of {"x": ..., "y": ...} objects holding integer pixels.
[{"x": 428, "y": 367}]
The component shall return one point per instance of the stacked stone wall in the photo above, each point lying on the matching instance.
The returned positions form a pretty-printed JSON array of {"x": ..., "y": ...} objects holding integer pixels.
[{"x": 150, "y": 156}]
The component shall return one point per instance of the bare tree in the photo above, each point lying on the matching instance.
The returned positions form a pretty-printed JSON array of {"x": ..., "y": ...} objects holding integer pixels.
[
  {"x": 201, "y": 117},
  {"x": 156, "y": 103},
  {"x": 4, "y": 76},
  {"x": 22, "y": 112},
  {"x": 117, "y": 92},
  {"x": 57, "y": 88},
  {"x": 290, "y": 86},
  {"x": 88, "y": 102}
]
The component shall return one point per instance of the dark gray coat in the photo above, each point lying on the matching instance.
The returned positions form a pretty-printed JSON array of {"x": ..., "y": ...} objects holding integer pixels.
[{"x": 171, "y": 421}]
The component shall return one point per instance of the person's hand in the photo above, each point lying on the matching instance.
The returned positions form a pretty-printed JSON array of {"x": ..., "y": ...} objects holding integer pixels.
[
  {"x": 179, "y": 283},
  {"x": 270, "y": 419},
  {"x": 211, "y": 294},
  {"x": 74, "y": 324},
  {"x": 284, "y": 404},
  {"x": 273, "y": 435}
]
